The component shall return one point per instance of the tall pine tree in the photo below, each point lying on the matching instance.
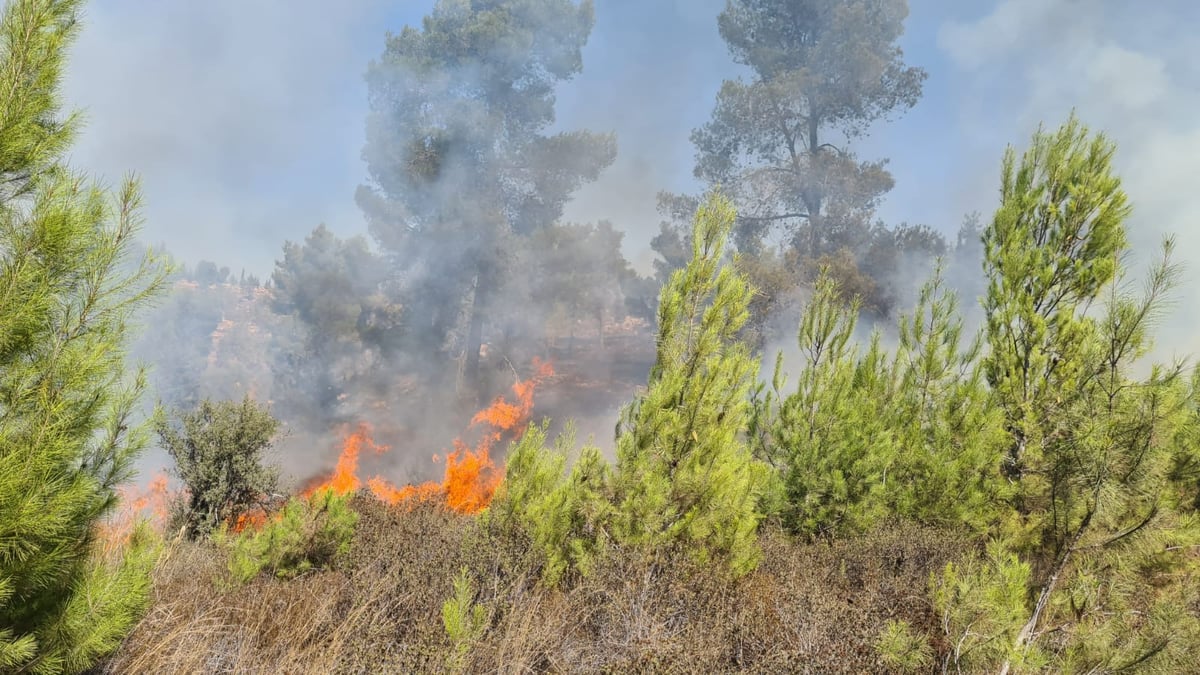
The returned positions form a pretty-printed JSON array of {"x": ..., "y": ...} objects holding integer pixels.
[
  {"x": 819, "y": 75},
  {"x": 460, "y": 164},
  {"x": 684, "y": 472},
  {"x": 822, "y": 72},
  {"x": 67, "y": 293}
]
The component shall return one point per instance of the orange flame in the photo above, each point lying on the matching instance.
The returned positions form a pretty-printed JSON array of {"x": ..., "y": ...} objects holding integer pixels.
[
  {"x": 470, "y": 478},
  {"x": 345, "y": 475},
  {"x": 386, "y": 492},
  {"x": 253, "y": 520},
  {"x": 506, "y": 416},
  {"x": 152, "y": 504}
]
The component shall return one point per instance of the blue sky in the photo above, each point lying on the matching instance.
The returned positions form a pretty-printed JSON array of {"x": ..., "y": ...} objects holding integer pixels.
[{"x": 245, "y": 119}]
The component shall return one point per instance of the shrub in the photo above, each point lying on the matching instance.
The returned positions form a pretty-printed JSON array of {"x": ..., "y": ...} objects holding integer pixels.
[
  {"x": 218, "y": 451},
  {"x": 685, "y": 478},
  {"x": 867, "y": 435},
  {"x": 684, "y": 473},
  {"x": 1091, "y": 420},
  {"x": 981, "y": 604},
  {"x": 308, "y": 533},
  {"x": 903, "y": 649},
  {"x": 464, "y": 620},
  {"x": 563, "y": 514}
]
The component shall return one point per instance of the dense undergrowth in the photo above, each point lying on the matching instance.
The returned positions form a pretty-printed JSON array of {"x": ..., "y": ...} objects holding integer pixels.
[
  {"x": 1019, "y": 502},
  {"x": 814, "y": 607}
]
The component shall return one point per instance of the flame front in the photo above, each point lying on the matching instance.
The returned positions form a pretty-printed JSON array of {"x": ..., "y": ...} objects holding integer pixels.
[
  {"x": 152, "y": 504},
  {"x": 345, "y": 475},
  {"x": 253, "y": 519},
  {"x": 470, "y": 478}
]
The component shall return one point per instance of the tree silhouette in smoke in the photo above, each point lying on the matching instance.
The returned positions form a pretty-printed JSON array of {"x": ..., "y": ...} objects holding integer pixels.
[
  {"x": 461, "y": 169},
  {"x": 780, "y": 142}
]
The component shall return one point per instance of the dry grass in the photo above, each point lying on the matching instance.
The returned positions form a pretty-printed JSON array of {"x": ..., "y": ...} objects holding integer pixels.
[
  {"x": 383, "y": 610},
  {"x": 808, "y": 608}
]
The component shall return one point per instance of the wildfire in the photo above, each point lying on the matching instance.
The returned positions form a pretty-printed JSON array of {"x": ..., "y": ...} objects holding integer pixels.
[
  {"x": 253, "y": 519},
  {"x": 470, "y": 478},
  {"x": 345, "y": 474},
  {"x": 468, "y": 482},
  {"x": 153, "y": 504},
  {"x": 505, "y": 416}
]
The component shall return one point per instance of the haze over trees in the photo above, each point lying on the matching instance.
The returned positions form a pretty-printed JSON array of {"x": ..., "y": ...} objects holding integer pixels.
[
  {"x": 1015, "y": 496},
  {"x": 780, "y": 142},
  {"x": 348, "y": 323},
  {"x": 462, "y": 172},
  {"x": 823, "y": 73}
]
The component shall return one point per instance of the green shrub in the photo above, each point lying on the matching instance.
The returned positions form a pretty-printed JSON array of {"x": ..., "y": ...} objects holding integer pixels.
[
  {"x": 685, "y": 475},
  {"x": 563, "y": 514},
  {"x": 981, "y": 606},
  {"x": 464, "y": 620},
  {"x": 902, "y": 648},
  {"x": 1091, "y": 419},
  {"x": 308, "y": 533},
  {"x": 867, "y": 435},
  {"x": 114, "y": 593},
  {"x": 218, "y": 451}
]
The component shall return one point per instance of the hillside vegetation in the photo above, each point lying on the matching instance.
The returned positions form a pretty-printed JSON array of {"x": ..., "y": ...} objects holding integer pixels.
[
  {"x": 1017, "y": 496},
  {"x": 1019, "y": 501}
]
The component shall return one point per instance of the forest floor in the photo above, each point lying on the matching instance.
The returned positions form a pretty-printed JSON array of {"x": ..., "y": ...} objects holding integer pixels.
[{"x": 809, "y": 607}]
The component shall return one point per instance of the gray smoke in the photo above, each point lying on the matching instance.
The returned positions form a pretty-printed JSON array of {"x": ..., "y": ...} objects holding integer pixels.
[
  {"x": 246, "y": 122},
  {"x": 1129, "y": 70}
]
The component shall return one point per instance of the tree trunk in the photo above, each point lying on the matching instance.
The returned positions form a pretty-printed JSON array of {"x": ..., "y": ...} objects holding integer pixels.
[
  {"x": 1026, "y": 636},
  {"x": 475, "y": 333},
  {"x": 813, "y": 204}
]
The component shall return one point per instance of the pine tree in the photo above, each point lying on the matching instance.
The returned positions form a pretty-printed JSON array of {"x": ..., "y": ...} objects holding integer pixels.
[
  {"x": 820, "y": 73},
  {"x": 1092, "y": 445},
  {"x": 865, "y": 436},
  {"x": 67, "y": 293},
  {"x": 565, "y": 514},
  {"x": 462, "y": 167},
  {"x": 950, "y": 433},
  {"x": 1051, "y": 248},
  {"x": 685, "y": 475},
  {"x": 830, "y": 437}
]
